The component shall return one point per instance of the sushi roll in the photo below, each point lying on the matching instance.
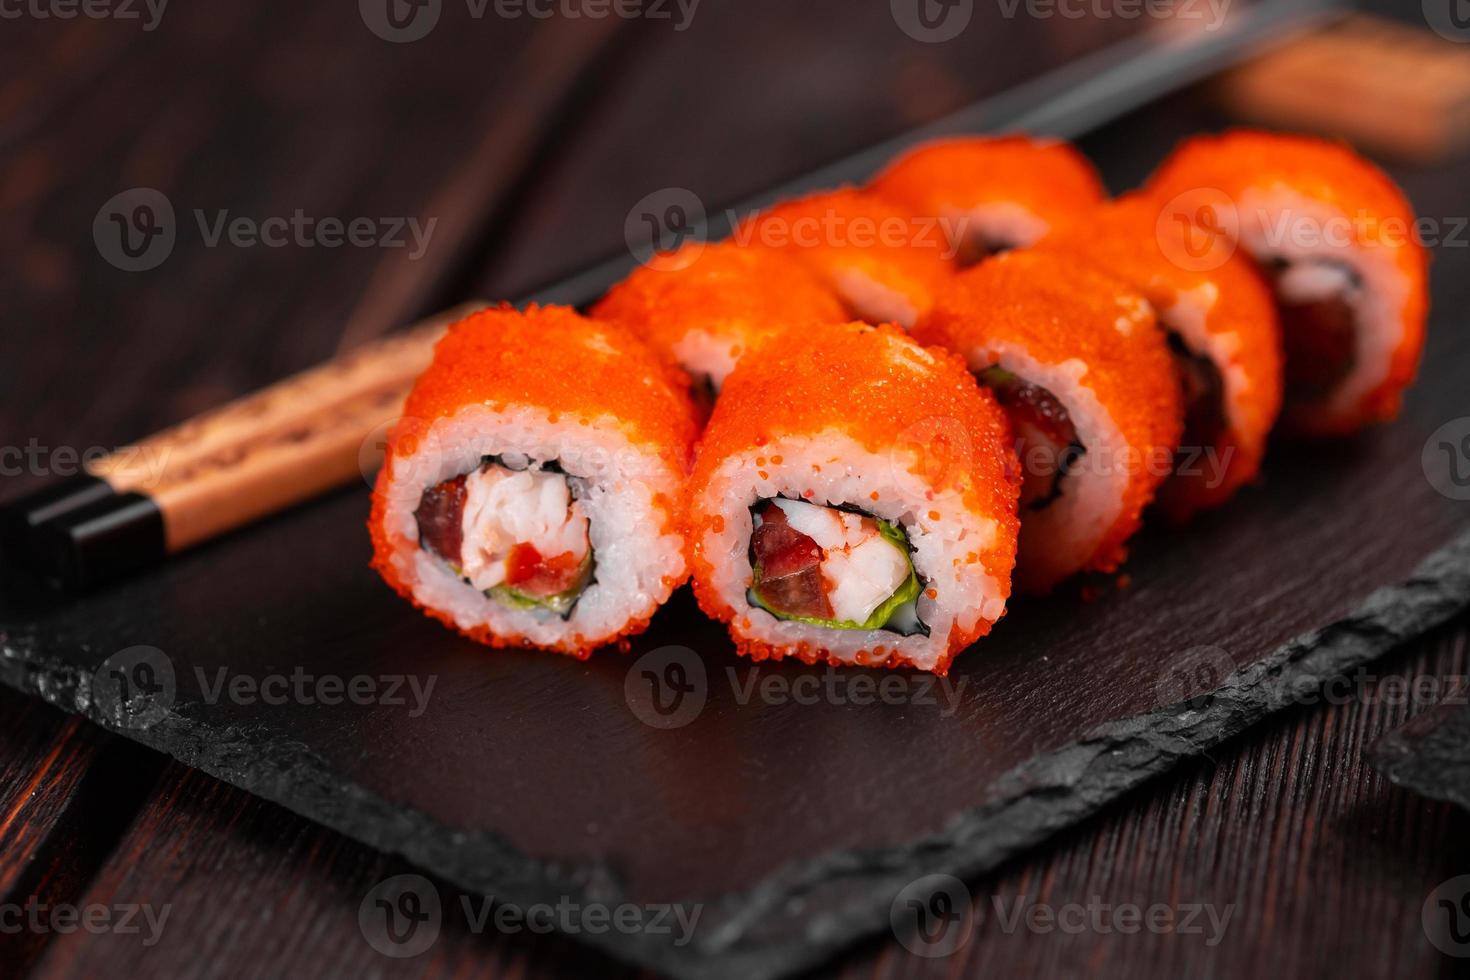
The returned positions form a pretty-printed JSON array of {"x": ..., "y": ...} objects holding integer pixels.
[
  {"x": 883, "y": 263},
  {"x": 1222, "y": 332},
  {"x": 1335, "y": 237},
  {"x": 525, "y": 506},
  {"x": 854, "y": 501},
  {"x": 994, "y": 193},
  {"x": 1078, "y": 363},
  {"x": 705, "y": 306}
]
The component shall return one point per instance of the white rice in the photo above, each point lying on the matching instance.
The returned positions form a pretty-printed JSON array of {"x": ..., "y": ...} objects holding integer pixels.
[
  {"x": 1278, "y": 221},
  {"x": 707, "y": 355},
  {"x": 831, "y": 468},
  {"x": 1002, "y": 223},
  {"x": 872, "y": 300},
  {"x": 1187, "y": 317},
  {"x": 636, "y": 544},
  {"x": 1063, "y": 536}
]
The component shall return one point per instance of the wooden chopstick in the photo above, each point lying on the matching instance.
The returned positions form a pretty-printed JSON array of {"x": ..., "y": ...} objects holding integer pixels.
[{"x": 227, "y": 467}]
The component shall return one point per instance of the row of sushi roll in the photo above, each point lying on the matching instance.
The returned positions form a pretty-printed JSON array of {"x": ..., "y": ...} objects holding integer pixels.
[{"x": 866, "y": 416}]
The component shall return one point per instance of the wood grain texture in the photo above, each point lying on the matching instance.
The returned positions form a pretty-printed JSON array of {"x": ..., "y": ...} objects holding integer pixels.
[
  {"x": 253, "y": 113},
  {"x": 754, "y": 94},
  {"x": 67, "y": 793},
  {"x": 43, "y": 756}
]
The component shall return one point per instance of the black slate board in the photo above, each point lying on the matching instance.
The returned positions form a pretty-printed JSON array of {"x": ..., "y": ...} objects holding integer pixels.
[
  {"x": 533, "y": 777},
  {"x": 1431, "y": 754}
]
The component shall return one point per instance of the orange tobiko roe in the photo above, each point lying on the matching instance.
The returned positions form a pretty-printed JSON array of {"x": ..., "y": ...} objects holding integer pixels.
[
  {"x": 1057, "y": 311},
  {"x": 1239, "y": 162},
  {"x": 1050, "y": 179},
  {"x": 887, "y": 393},
  {"x": 1133, "y": 240},
  {"x": 735, "y": 295},
  {"x": 848, "y": 233},
  {"x": 553, "y": 359}
]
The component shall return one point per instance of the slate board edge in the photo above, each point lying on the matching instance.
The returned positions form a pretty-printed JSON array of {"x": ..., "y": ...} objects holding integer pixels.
[
  {"x": 1404, "y": 754},
  {"x": 1030, "y": 803}
]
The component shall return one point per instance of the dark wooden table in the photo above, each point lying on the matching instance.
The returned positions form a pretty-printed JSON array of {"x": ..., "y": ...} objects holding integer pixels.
[{"x": 527, "y": 141}]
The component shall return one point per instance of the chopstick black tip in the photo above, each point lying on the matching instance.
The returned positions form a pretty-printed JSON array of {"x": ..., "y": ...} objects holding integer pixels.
[{"x": 81, "y": 533}]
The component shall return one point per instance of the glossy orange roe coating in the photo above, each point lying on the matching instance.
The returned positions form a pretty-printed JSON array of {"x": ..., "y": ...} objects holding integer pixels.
[
  {"x": 891, "y": 396},
  {"x": 849, "y": 233},
  {"x": 738, "y": 296},
  {"x": 1379, "y": 214},
  {"x": 553, "y": 359},
  {"x": 1133, "y": 240},
  {"x": 1057, "y": 311},
  {"x": 1048, "y": 178}
]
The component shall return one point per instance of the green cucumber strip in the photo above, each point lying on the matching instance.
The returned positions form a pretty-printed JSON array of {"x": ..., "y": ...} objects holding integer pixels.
[{"x": 996, "y": 375}]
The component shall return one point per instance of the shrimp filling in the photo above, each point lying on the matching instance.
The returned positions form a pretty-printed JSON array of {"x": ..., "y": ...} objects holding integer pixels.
[
  {"x": 1317, "y": 300},
  {"x": 1046, "y": 439},
  {"x": 832, "y": 567},
  {"x": 519, "y": 535}
]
